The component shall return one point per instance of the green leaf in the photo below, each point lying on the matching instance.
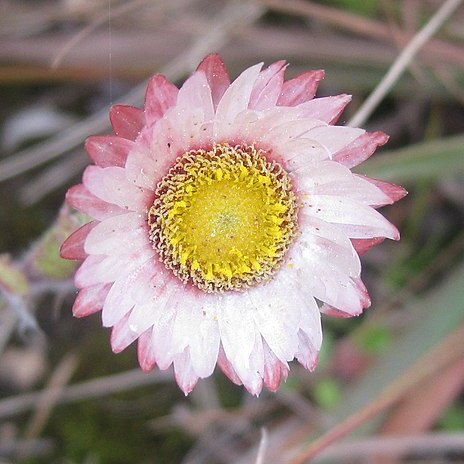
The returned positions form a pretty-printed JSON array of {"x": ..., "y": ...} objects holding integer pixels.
[{"x": 428, "y": 160}]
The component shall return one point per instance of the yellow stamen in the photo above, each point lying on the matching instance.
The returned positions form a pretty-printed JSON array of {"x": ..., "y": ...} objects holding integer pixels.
[{"x": 223, "y": 218}]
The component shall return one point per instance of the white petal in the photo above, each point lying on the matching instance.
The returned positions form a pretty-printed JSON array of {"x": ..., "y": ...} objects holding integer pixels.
[
  {"x": 354, "y": 218},
  {"x": 196, "y": 326},
  {"x": 331, "y": 178},
  {"x": 277, "y": 315},
  {"x": 111, "y": 185},
  {"x": 335, "y": 137},
  {"x": 234, "y": 101},
  {"x": 118, "y": 235},
  {"x": 195, "y": 93},
  {"x": 237, "y": 329},
  {"x": 186, "y": 377},
  {"x": 120, "y": 298}
]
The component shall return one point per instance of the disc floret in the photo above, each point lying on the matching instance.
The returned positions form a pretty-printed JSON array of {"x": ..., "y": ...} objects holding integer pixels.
[{"x": 223, "y": 219}]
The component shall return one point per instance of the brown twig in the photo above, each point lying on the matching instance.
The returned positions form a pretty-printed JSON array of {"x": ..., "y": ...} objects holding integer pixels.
[{"x": 430, "y": 364}]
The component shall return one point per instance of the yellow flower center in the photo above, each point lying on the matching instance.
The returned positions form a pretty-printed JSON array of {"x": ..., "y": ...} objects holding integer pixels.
[{"x": 223, "y": 218}]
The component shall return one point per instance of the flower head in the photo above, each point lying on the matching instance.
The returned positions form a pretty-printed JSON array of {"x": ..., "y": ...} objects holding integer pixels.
[{"x": 225, "y": 220}]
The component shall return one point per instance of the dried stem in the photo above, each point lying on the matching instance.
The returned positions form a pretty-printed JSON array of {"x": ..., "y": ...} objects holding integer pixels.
[{"x": 403, "y": 61}]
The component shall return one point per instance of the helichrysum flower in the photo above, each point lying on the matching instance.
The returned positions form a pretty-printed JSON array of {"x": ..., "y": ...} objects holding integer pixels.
[{"x": 225, "y": 220}]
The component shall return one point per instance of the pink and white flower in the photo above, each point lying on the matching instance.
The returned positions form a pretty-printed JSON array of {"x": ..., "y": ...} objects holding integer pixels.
[{"x": 225, "y": 220}]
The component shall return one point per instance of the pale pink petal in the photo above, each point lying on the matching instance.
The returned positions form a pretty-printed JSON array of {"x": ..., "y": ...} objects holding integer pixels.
[
  {"x": 300, "y": 89},
  {"x": 127, "y": 291},
  {"x": 226, "y": 367},
  {"x": 145, "y": 353},
  {"x": 81, "y": 199},
  {"x": 252, "y": 378},
  {"x": 112, "y": 186},
  {"x": 328, "y": 244},
  {"x": 355, "y": 219},
  {"x": 108, "y": 150},
  {"x": 274, "y": 370},
  {"x": 310, "y": 325},
  {"x": 190, "y": 128},
  {"x": 360, "y": 149},
  {"x": 239, "y": 335},
  {"x": 300, "y": 153},
  {"x": 216, "y": 75},
  {"x": 363, "y": 245},
  {"x": 334, "y": 138},
  {"x": 195, "y": 94},
  {"x": 331, "y": 178},
  {"x": 122, "y": 335},
  {"x": 73, "y": 246},
  {"x": 144, "y": 169},
  {"x": 90, "y": 300},
  {"x": 196, "y": 326},
  {"x": 235, "y": 100},
  {"x": 340, "y": 310},
  {"x": 268, "y": 86},
  {"x": 127, "y": 121},
  {"x": 121, "y": 234},
  {"x": 281, "y": 135},
  {"x": 98, "y": 269},
  {"x": 185, "y": 375},
  {"x": 326, "y": 265},
  {"x": 307, "y": 354},
  {"x": 327, "y": 109},
  {"x": 277, "y": 316},
  {"x": 392, "y": 191},
  {"x": 159, "y": 97}
]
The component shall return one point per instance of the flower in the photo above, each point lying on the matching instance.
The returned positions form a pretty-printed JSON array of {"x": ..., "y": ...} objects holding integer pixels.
[{"x": 225, "y": 220}]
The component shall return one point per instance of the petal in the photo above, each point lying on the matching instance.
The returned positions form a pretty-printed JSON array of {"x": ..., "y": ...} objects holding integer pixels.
[
  {"x": 122, "y": 335},
  {"x": 239, "y": 336},
  {"x": 189, "y": 129},
  {"x": 216, "y": 75},
  {"x": 184, "y": 372},
  {"x": 392, "y": 191},
  {"x": 121, "y": 234},
  {"x": 127, "y": 121},
  {"x": 300, "y": 89},
  {"x": 300, "y": 153},
  {"x": 340, "y": 310},
  {"x": 111, "y": 185},
  {"x": 235, "y": 100},
  {"x": 227, "y": 368},
  {"x": 326, "y": 262},
  {"x": 327, "y": 109},
  {"x": 73, "y": 246},
  {"x": 143, "y": 169},
  {"x": 277, "y": 316},
  {"x": 145, "y": 353},
  {"x": 363, "y": 245},
  {"x": 307, "y": 354},
  {"x": 108, "y": 150},
  {"x": 331, "y": 178},
  {"x": 334, "y": 138},
  {"x": 159, "y": 97},
  {"x": 354, "y": 219},
  {"x": 360, "y": 149},
  {"x": 195, "y": 94},
  {"x": 80, "y": 198},
  {"x": 196, "y": 326},
  {"x": 98, "y": 269},
  {"x": 129, "y": 290},
  {"x": 274, "y": 370},
  {"x": 90, "y": 300},
  {"x": 268, "y": 86}
]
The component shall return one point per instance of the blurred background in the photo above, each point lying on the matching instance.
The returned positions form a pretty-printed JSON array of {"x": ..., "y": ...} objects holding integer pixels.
[{"x": 397, "y": 371}]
